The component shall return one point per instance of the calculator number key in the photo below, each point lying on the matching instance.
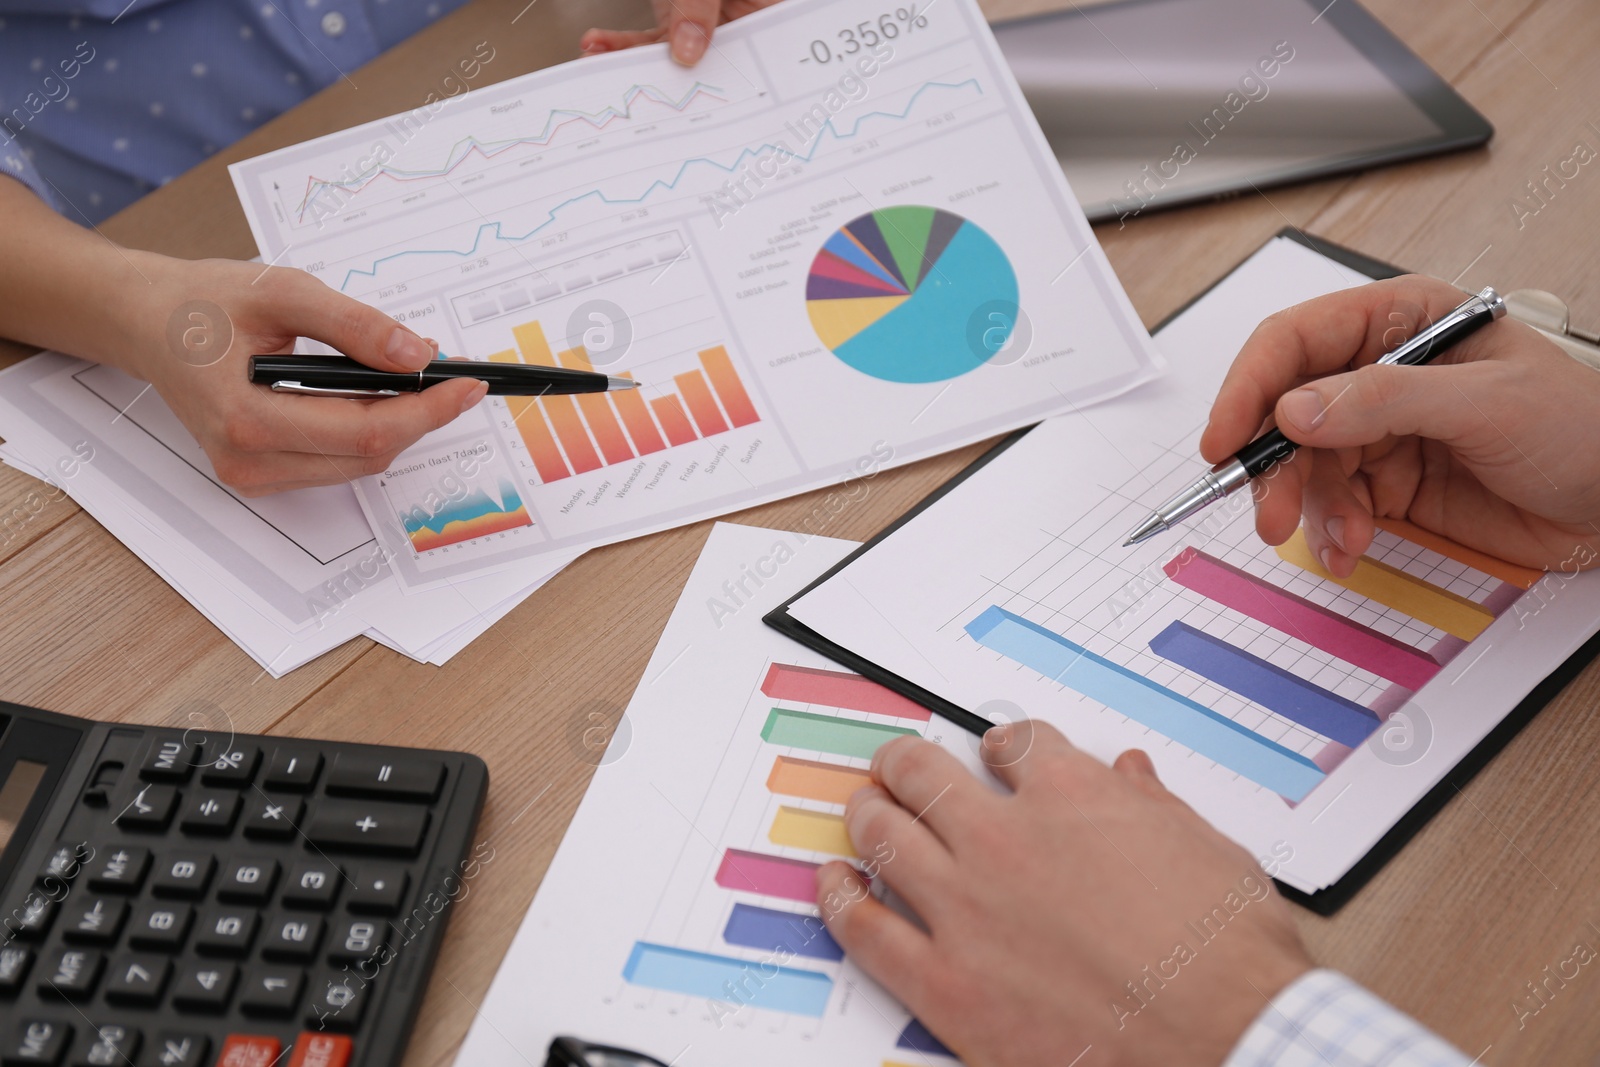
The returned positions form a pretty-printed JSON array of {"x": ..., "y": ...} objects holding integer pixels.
[
  {"x": 226, "y": 932},
  {"x": 248, "y": 881},
  {"x": 205, "y": 988},
  {"x": 293, "y": 939},
  {"x": 161, "y": 927},
  {"x": 313, "y": 886},
  {"x": 138, "y": 981},
  {"x": 271, "y": 992},
  {"x": 183, "y": 875}
]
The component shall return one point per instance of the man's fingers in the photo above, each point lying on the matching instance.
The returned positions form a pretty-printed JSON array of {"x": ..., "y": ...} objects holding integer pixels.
[
  {"x": 367, "y": 430},
  {"x": 1352, "y": 327},
  {"x": 1338, "y": 513},
  {"x": 927, "y": 781},
  {"x": 1019, "y": 753},
  {"x": 886, "y": 945},
  {"x": 894, "y": 846},
  {"x": 305, "y": 307},
  {"x": 1369, "y": 405},
  {"x": 1278, "y": 494}
]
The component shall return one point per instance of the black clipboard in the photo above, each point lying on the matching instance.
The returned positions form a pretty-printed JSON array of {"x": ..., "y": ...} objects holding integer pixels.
[{"x": 1325, "y": 901}]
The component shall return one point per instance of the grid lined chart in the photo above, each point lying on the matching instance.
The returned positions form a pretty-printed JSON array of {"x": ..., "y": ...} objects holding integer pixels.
[{"x": 1253, "y": 657}]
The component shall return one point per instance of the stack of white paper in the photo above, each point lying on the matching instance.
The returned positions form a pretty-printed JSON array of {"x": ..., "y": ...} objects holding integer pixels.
[{"x": 287, "y": 577}]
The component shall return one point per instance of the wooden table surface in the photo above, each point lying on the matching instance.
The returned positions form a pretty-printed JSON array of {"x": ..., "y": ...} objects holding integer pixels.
[{"x": 1502, "y": 884}]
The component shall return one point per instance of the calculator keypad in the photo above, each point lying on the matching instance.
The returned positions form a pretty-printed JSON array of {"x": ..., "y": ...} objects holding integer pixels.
[{"x": 246, "y": 887}]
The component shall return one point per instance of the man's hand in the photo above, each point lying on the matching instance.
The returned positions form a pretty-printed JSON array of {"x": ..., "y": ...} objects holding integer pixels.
[
  {"x": 686, "y": 24},
  {"x": 260, "y": 441},
  {"x": 1491, "y": 445},
  {"x": 1090, "y": 912}
]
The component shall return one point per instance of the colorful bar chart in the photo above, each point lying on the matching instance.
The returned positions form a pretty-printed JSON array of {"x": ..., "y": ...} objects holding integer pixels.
[
  {"x": 825, "y": 782},
  {"x": 1271, "y": 686},
  {"x": 775, "y": 931},
  {"x": 1394, "y": 588},
  {"x": 567, "y": 435},
  {"x": 1517, "y": 575},
  {"x": 828, "y": 733},
  {"x": 838, "y": 689},
  {"x": 1185, "y": 721},
  {"x": 770, "y": 876},
  {"x": 701, "y": 974},
  {"x": 1297, "y": 617},
  {"x": 812, "y": 831}
]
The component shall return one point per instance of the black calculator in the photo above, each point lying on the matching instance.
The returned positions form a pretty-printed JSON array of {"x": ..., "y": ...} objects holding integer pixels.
[{"x": 189, "y": 898}]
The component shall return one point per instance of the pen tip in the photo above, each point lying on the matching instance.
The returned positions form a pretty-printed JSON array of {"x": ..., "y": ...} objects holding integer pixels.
[{"x": 617, "y": 385}]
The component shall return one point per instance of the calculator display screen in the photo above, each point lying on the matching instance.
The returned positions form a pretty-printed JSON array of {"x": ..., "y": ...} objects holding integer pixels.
[{"x": 21, "y": 782}]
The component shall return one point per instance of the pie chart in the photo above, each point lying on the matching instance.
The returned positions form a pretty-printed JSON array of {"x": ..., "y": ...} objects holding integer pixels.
[{"x": 912, "y": 294}]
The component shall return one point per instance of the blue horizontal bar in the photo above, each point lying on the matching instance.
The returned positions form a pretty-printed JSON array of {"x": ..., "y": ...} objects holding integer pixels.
[
  {"x": 1269, "y": 685},
  {"x": 1191, "y": 724},
  {"x": 758, "y": 983},
  {"x": 771, "y": 930}
]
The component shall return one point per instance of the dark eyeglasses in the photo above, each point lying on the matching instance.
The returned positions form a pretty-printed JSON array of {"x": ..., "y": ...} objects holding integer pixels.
[{"x": 571, "y": 1052}]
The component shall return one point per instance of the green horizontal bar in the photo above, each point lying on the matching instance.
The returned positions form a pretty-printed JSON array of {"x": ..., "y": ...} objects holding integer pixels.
[{"x": 825, "y": 733}]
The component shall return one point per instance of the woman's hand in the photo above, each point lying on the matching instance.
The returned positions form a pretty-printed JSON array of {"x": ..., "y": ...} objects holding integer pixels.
[
  {"x": 1089, "y": 913},
  {"x": 192, "y": 329},
  {"x": 686, "y": 24},
  {"x": 1491, "y": 445}
]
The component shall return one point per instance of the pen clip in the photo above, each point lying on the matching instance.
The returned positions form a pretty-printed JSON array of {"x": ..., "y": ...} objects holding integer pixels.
[{"x": 316, "y": 390}]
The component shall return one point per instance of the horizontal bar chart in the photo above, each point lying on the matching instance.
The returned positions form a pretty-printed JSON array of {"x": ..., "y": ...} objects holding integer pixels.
[
  {"x": 1518, "y": 575},
  {"x": 1297, "y": 617},
  {"x": 1185, "y": 721},
  {"x": 813, "y": 831},
  {"x": 829, "y": 733},
  {"x": 825, "y": 782},
  {"x": 1394, "y": 588},
  {"x": 701, "y": 974},
  {"x": 774, "y": 931},
  {"x": 838, "y": 689},
  {"x": 770, "y": 876},
  {"x": 1266, "y": 684}
]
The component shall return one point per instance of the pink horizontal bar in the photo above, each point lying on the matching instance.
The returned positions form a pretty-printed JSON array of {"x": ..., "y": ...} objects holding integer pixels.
[
  {"x": 838, "y": 689},
  {"x": 1297, "y": 617},
  {"x": 773, "y": 876}
]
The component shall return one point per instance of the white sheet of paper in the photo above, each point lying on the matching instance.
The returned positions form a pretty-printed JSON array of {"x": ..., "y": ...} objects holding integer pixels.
[
  {"x": 643, "y": 218},
  {"x": 286, "y": 577},
  {"x": 1038, "y": 533},
  {"x": 682, "y": 782}
]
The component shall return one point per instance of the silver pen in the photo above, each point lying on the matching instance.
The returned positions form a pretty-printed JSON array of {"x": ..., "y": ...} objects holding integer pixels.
[{"x": 1272, "y": 447}]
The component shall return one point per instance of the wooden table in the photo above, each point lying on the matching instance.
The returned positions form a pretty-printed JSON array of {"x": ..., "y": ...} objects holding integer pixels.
[{"x": 1501, "y": 885}]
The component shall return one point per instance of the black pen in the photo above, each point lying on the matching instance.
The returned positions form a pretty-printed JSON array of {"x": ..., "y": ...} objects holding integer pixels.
[
  {"x": 344, "y": 377},
  {"x": 1258, "y": 456}
]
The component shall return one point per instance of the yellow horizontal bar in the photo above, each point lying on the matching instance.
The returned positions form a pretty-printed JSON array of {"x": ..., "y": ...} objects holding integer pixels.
[
  {"x": 1394, "y": 588},
  {"x": 1518, "y": 575},
  {"x": 814, "y": 831}
]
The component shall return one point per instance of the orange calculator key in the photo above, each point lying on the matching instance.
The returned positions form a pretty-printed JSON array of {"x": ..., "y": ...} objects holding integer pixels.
[{"x": 320, "y": 1050}]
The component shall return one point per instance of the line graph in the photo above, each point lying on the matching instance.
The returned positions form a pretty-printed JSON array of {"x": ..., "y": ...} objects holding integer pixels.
[
  {"x": 497, "y": 231},
  {"x": 467, "y": 147}
]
